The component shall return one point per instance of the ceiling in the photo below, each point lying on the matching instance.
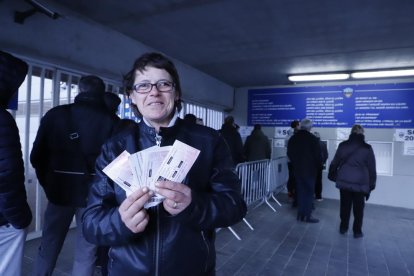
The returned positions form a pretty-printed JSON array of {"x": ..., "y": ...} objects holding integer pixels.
[{"x": 259, "y": 42}]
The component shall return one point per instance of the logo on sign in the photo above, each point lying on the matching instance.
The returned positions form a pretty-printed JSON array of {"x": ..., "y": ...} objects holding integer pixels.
[{"x": 348, "y": 92}]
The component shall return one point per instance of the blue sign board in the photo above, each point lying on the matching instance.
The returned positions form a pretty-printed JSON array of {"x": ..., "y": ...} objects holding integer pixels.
[{"x": 370, "y": 105}]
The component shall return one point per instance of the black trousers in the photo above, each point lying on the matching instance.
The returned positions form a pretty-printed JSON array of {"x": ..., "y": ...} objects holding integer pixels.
[
  {"x": 356, "y": 202},
  {"x": 305, "y": 188}
]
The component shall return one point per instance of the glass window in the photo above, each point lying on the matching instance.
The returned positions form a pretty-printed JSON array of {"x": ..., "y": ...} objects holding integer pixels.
[{"x": 211, "y": 118}]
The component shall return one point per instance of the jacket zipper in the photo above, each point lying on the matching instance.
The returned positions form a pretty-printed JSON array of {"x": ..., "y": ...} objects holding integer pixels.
[
  {"x": 158, "y": 139},
  {"x": 157, "y": 245},
  {"x": 69, "y": 172}
]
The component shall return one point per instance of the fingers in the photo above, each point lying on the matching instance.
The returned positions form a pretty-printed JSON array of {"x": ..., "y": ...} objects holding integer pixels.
[
  {"x": 177, "y": 196},
  {"x": 172, "y": 189},
  {"x": 138, "y": 222},
  {"x": 133, "y": 198},
  {"x": 132, "y": 210}
]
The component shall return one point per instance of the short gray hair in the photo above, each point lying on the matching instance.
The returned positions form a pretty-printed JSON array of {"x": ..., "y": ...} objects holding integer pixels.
[{"x": 306, "y": 124}]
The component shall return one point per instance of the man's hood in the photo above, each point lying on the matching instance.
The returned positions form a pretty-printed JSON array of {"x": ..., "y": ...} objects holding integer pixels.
[{"x": 12, "y": 74}]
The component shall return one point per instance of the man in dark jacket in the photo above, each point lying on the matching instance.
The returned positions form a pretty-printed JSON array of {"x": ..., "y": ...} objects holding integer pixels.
[
  {"x": 64, "y": 152},
  {"x": 15, "y": 214},
  {"x": 233, "y": 139},
  {"x": 257, "y": 145},
  {"x": 305, "y": 155},
  {"x": 356, "y": 178}
]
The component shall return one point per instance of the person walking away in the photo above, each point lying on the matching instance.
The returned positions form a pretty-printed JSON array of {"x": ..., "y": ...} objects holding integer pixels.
[
  {"x": 15, "y": 213},
  {"x": 305, "y": 154},
  {"x": 67, "y": 143},
  {"x": 257, "y": 145},
  {"x": 175, "y": 237},
  {"x": 324, "y": 156},
  {"x": 233, "y": 139},
  {"x": 356, "y": 178}
]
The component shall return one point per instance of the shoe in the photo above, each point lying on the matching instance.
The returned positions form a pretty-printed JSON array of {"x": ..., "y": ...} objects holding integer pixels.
[
  {"x": 358, "y": 235},
  {"x": 343, "y": 231},
  {"x": 319, "y": 199},
  {"x": 300, "y": 218},
  {"x": 311, "y": 220}
]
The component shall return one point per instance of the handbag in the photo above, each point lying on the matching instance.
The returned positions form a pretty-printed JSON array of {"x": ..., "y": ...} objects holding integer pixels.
[{"x": 333, "y": 170}]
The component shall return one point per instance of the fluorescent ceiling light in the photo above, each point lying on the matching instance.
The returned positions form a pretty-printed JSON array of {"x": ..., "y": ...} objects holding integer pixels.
[
  {"x": 383, "y": 74},
  {"x": 321, "y": 77}
]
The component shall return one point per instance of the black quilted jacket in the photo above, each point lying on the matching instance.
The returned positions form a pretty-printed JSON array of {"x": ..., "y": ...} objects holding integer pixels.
[{"x": 13, "y": 203}]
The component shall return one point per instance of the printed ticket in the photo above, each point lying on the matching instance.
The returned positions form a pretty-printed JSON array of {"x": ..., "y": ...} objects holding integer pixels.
[
  {"x": 120, "y": 172},
  {"x": 145, "y": 163},
  {"x": 146, "y": 167}
]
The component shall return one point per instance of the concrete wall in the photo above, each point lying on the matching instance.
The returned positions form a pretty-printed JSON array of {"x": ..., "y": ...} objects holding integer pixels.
[
  {"x": 396, "y": 190},
  {"x": 80, "y": 44}
]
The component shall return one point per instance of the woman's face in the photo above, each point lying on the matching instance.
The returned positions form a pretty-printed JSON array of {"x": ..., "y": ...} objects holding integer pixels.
[{"x": 155, "y": 106}]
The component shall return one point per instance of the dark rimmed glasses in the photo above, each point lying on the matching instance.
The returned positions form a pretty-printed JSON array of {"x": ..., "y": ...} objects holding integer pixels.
[{"x": 146, "y": 87}]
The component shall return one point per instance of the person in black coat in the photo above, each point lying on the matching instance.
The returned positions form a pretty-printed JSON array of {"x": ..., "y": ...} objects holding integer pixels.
[
  {"x": 257, "y": 145},
  {"x": 304, "y": 153},
  {"x": 177, "y": 236},
  {"x": 15, "y": 214},
  {"x": 67, "y": 143},
  {"x": 233, "y": 139},
  {"x": 356, "y": 178}
]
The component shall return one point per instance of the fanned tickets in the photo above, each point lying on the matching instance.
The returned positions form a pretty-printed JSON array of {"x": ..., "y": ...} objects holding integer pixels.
[
  {"x": 144, "y": 168},
  {"x": 146, "y": 163}
]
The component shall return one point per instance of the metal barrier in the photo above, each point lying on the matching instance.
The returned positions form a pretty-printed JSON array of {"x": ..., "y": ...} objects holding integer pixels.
[
  {"x": 277, "y": 178},
  {"x": 260, "y": 181},
  {"x": 253, "y": 177}
]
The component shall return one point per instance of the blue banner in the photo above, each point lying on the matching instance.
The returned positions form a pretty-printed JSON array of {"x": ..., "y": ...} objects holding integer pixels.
[{"x": 370, "y": 105}]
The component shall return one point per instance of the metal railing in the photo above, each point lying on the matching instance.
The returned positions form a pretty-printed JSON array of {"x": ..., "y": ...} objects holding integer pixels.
[{"x": 260, "y": 181}]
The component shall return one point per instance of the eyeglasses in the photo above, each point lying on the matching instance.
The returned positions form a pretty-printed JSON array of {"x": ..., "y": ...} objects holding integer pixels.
[{"x": 146, "y": 87}]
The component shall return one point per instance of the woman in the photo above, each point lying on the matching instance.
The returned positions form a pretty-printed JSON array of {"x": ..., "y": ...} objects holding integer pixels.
[
  {"x": 177, "y": 236},
  {"x": 356, "y": 178}
]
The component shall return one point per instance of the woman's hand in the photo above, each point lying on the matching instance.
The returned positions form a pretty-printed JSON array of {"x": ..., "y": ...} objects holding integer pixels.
[
  {"x": 177, "y": 196},
  {"x": 132, "y": 210}
]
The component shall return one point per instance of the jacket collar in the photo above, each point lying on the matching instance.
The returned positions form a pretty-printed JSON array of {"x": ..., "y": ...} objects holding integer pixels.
[{"x": 171, "y": 130}]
